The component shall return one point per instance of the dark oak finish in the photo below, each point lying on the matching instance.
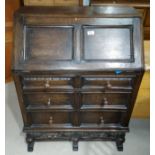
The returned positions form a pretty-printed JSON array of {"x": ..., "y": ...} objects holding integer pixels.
[
  {"x": 54, "y": 48},
  {"x": 77, "y": 72}
]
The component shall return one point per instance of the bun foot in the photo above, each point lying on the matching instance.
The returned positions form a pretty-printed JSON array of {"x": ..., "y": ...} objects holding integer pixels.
[
  {"x": 75, "y": 145},
  {"x": 30, "y": 147},
  {"x": 30, "y": 143},
  {"x": 119, "y": 142},
  {"x": 119, "y": 147}
]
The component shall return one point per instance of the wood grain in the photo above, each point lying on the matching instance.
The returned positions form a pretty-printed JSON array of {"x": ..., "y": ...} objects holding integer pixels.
[
  {"x": 142, "y": 112},
  {"x": 77, "y": 69}
]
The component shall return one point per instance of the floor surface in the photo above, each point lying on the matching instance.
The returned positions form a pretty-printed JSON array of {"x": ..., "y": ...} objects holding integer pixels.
[{"x": 137, "y": 141}]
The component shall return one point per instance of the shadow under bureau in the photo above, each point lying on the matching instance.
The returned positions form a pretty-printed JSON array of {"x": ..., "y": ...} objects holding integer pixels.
[{"x": 77, "y": 72}]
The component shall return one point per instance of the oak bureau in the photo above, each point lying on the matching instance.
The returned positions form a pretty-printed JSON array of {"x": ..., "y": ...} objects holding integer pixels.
[{"x": 77, "y": 72}]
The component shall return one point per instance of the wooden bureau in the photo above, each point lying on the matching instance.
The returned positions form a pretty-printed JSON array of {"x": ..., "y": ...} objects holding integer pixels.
[{"x": 77, "y": 72}]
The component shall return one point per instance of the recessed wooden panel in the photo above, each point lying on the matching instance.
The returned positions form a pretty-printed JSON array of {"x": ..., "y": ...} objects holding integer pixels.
[
  {"x": 108, "y": 43},
  {"x": 48, "y": 43}
]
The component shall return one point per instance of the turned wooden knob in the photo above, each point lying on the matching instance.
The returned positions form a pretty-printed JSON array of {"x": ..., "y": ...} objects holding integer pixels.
[
  {"x": 51, "y": 120},
  {"x": 49, "y": 136},
  {"x": 49, "y": 102},
  {"x": 105, "y": 101},
  {"x": 47, "y": 84},
  {"x": 101, "y": 120},
  {"x": 109, "y": 84}
]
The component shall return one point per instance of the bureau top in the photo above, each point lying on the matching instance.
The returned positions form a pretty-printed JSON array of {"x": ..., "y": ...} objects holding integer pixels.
[
  {"x": 77, "y": 38},
  {"x": 80, "y": 11}
]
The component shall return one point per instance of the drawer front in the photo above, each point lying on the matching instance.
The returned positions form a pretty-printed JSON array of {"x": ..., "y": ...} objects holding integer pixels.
[
  {"x": 51, "y": 118},
  {"x": 105, "y": 99},
  {"x": 47, "y": 82},
  {"x": 49, "y": 99},
  {"x": 107, "y": 83},
  {"x": 100, "y": 118}
]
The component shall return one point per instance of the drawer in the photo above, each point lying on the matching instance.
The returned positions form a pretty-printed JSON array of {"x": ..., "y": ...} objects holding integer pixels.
[
  {"x": 100, "y": 118},
  {"x": 107, "y": 83},
  {"x": 49, "y": 99},
  {"x": 105, "y": 100},
  {"x": 47, "y": 82},
  {"x": 51, "y": 118}
]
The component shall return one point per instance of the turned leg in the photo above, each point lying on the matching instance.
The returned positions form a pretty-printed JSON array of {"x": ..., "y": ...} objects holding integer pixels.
[
  {"x": 119, "y": 142},
  {"x": 75, "y": 144},
  {"x": 119, "y": 145},
  {"x": 30, "y": 146},
  {"x": 30, "y": 143}
]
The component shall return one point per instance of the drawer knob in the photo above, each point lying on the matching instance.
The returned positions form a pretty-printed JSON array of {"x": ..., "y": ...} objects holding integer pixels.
[
  {"x": 47, "y": 84},
  {"x": 51, "y": 120},
  {"x": 49, "y": 136},
  {"x": 49, "y": 102},
  {"x": 101, "y": 120},
  {"x": 105, "y": 101},
  {"x": 109, "y": 84}
]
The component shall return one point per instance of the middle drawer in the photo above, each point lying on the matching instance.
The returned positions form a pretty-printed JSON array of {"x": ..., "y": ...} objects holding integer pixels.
[
  {"x": 49, "y": 99},
  {"x": 104, "y": 99}
]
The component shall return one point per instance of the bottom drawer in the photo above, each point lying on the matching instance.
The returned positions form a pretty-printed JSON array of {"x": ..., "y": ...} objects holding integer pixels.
[
  {"x": 52, "y": 118},
  {"x": 100, "y": 118},
  {"x": 78, "y": 119}
]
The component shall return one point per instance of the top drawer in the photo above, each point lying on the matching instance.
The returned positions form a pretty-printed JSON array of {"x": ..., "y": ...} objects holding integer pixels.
[
  {"x": 107, "y": 83},
  {"x": 47, "y": 82}
]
